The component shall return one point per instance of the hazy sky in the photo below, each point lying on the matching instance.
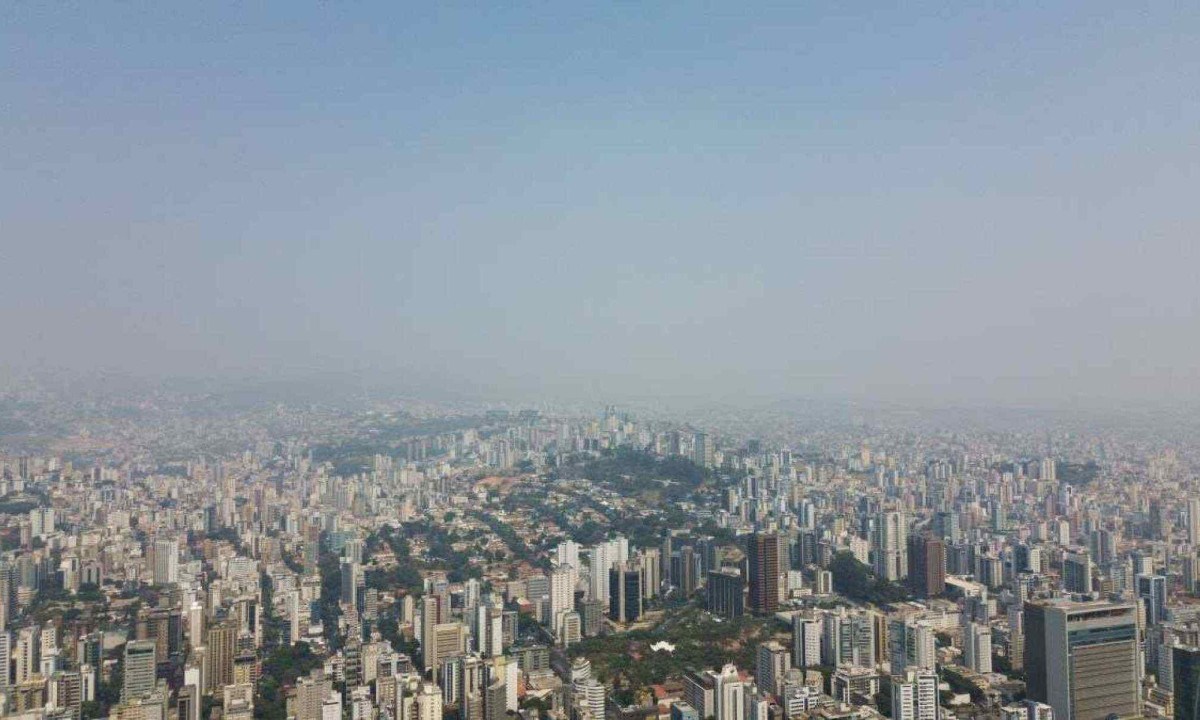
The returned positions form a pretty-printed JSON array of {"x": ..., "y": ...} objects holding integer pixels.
[{"x": 934, "y": 200}]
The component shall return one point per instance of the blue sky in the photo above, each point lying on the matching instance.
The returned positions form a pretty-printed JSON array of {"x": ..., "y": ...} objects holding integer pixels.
[{"x": 929, "y": 200}]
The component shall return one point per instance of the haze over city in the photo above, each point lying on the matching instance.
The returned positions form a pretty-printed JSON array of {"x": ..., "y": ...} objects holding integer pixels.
[
  {"x": 658, "y": 361},
  {"x": 943, "y": 202}
]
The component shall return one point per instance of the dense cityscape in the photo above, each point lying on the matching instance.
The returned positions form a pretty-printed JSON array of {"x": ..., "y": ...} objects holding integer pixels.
[
  {"x": 682, "y": 360},
  {"x": 166, "y": 556}
]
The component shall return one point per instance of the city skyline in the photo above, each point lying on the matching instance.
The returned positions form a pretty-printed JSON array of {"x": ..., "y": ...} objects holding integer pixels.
[{"x": 686, "y": 361}]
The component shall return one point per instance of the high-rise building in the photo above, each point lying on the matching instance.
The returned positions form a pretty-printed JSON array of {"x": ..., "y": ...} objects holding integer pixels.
[
  {"x": 222, "y": 648},
  {"x": 651, "y": 564},
  {"x": 912, "y": 645},
  {"x": 1152, "y": 591},
  {"x": 1103, "y": 546},
  {"x": 590, "y": 696},
  {"x": 495, "y": 700},
  {"x": 1077, "y": 574},
  {"x": 601, "y": 559},
  {"x": 568, "y": 628},
  {"x": 166, "y": 561},
  {"x": 431, "y": 616},
  {"x": 977, "y": 647},
  {"x": 296, "y": 622},
  {"x": 591, "y": 615},
  {"x": 625, "y": 593},
  {"x": 762, "y": 562},
  {"x": 702, "y": 450},
  {"x": 946, "y": 525},
  {"x": 138, "y": 670},
  {"x": 600, "y": 562},
  {"x": 447, "y": 641},
  {"x": 41, "y": 521},
  {"x": 1082, "y": 659},
  {"x": 187, "y": 703},
  {"x": 1016, "y": 636},
  {"x": 848, "y": 639},
  {"x": 699, "y": 690},
  {"x": 927, "y": 555},
  {"x": 891, "y": 546},
  {"x": 562, "y": 592},
  {"x": 1191, "y": 573},
  {"x": 581, "y": 671},
  {"x": 824, "y": 582},
  {"x": 5, "y": 658},
  {"x": 566, "y": 554},
  {"x": 915, "y": 696},
  {"x": 26, "y": 655},
  {"x": 806, "y": 641},
  {"x": 726, "y": 593},
  {"x": 1186, "y": 682},
  {"x": 1193, "y": 521},
  {"x": 68, "y": 691},
  {"x": 351, "y": 573},
  {"x": 683, "y": 570},
  {"x": 429, "y": 703},
  {"x": 310, "y": 693},
  {"x": 729, "y": 694},
  {"x": 1143, "y": 563},
  {"x": 772, "y": 663}
]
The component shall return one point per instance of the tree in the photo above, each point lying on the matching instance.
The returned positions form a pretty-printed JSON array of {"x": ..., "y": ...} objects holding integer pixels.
[
  {"x": 331, "y": 592},
  {"x": 280, "y": 669},
  {"x": 856, "y": 581}
]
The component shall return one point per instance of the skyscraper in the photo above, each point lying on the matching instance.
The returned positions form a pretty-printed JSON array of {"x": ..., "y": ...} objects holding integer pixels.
[
  {"x": 1191, "y": 573},
  {"x": 927, "y": 554},
  {"x": 891, "y": 546},
  {"x": 562, "y": 592},
  {"x": 977, "y": 647},
  {"x": 848, "y": 638},
  {"x": 1082, "y": 659},
  {"x": 772, "y": 663},
  {"x": 5, "y": 658},
  {"x": 726, "y": 593},
  {"x": 567, "y": 559},
  {"x": 806, "y": 641},
  {"x": 1077, "y": 574},
  {"x": 1152, "y": 591},
  {"x": 729, "y": 694},
  {"x": 589, "y": 694},
  {"x": 350, "y": 574},
  {"x": 762, "y": 562},
  {"x": 915, "y": 695},
  {"x": 702, "y": 450},
  {"x": 911, "y": 645},
  {"x": 69, "y": 691},
  {"x": 222, "y": 648},
  {"x": 429, "y": 703},
  {"x": 1103, "y": 545},
  {"x": 449, "y": 640},
  {"x": 651, "y": 565},
  {"x": 1186, "y": 680},
  {"x": 601, "y": 559},
  {"x": 166, "y": 561},
  {"x": 625, "y": 593},
  {"x": 1016, "y": 636},
  {"x": 139, "y": 669}
]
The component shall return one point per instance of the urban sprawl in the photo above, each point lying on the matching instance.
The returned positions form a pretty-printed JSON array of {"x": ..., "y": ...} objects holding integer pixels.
[{"x": 415, "y": 562}]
